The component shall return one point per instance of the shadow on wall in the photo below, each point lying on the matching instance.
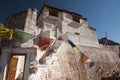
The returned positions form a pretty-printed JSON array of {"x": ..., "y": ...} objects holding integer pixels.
[
  {"x": 0, "y": 50},
  {"x": 35, "y": 41},
  {"x": 110, "y": 78},
  {"x": 0, "y": 63},
  {"x": 115, "y": 75},
  {"x": 119, "y": 51}
]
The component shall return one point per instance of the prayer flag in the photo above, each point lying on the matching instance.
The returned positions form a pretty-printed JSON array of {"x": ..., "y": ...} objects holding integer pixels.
[
  {"x": 44, "y": 42},
  {"x": 21, "y": 36},
  {"x": 65, "y": 38},
  {"x": 71, "y": 43},
  {"x": 83, "y": 58},
  {"x": 77, "y": 47},
  {"x": 91, "y": 64},
  {"x": 99, "y": 69},
  {"x": 5, "y": 32},
  {"x": 96, "y": 65}
]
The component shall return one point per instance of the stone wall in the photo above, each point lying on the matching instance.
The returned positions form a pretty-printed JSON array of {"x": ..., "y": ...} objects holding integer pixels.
[
  {"x": 57, "y": 64},
  {"x": 64, "y": 64},
  {"x": 17, "y": 20},
  {"x": 25, "y": 20},
  {"x": 61, "y": 62},
  {"x": 108, "y": 58}
]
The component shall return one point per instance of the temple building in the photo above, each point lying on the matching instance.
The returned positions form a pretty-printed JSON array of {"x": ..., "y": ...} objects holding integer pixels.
[{"x": 57, "y": 60}]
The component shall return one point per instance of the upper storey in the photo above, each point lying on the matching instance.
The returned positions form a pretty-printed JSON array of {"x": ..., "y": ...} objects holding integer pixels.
[
  {"x": 57, "y": 21},
  {"x": 59, "y": 14}
]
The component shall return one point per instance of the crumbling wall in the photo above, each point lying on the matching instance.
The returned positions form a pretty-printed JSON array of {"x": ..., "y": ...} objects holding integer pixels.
[
  {"x": 107, "y": 58},
  {"x": 63, "y": 63},
  {"x": 59, "y": 63}
]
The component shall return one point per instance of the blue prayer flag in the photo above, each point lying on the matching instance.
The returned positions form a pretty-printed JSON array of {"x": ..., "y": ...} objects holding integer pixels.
[{"x": 71, "y": 43}]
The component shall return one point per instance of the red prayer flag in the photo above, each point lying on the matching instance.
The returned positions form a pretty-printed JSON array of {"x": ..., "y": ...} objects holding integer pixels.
[
  {"x": 99, "y": 69},
  {"x": 83, "y": 58},
  {"x": 44, "y": 42}
]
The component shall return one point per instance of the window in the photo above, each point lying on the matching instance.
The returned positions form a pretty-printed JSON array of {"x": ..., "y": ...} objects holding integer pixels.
[
  {"x": 77, "y": 33},
  {"x": 53, "y": 12},
  {"x": 76, "y": 18}
]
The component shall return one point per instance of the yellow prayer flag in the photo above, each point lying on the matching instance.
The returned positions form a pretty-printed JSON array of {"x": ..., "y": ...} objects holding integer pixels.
[
  {"x": 77, "y": 47},
  {"x": 5, "y": 32},
  {"x": 96, "y": 65}
]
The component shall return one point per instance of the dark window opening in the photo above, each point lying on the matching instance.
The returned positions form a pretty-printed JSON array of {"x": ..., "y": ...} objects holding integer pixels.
[
  {"x": 77, "y": 33},
  {"x": 53, "y": 12},
  {"x": 76, "y": 18}
]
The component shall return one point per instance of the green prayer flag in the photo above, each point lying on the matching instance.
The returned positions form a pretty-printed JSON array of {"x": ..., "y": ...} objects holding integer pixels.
[{"x": 21, "y": 36}]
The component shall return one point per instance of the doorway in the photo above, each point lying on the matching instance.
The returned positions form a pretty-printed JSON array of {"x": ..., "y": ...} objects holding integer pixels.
[{"x": 16, "y": 67}]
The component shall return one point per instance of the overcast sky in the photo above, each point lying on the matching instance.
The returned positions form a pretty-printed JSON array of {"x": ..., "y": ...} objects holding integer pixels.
[{"x": 104, "y": 15}]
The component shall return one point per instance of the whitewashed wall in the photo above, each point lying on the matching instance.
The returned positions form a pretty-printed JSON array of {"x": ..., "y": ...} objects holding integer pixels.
[{"x": 64, "y": 23}]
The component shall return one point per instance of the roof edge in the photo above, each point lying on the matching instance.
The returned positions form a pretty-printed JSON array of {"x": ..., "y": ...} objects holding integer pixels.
[{"x": 62, "y": 10}]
